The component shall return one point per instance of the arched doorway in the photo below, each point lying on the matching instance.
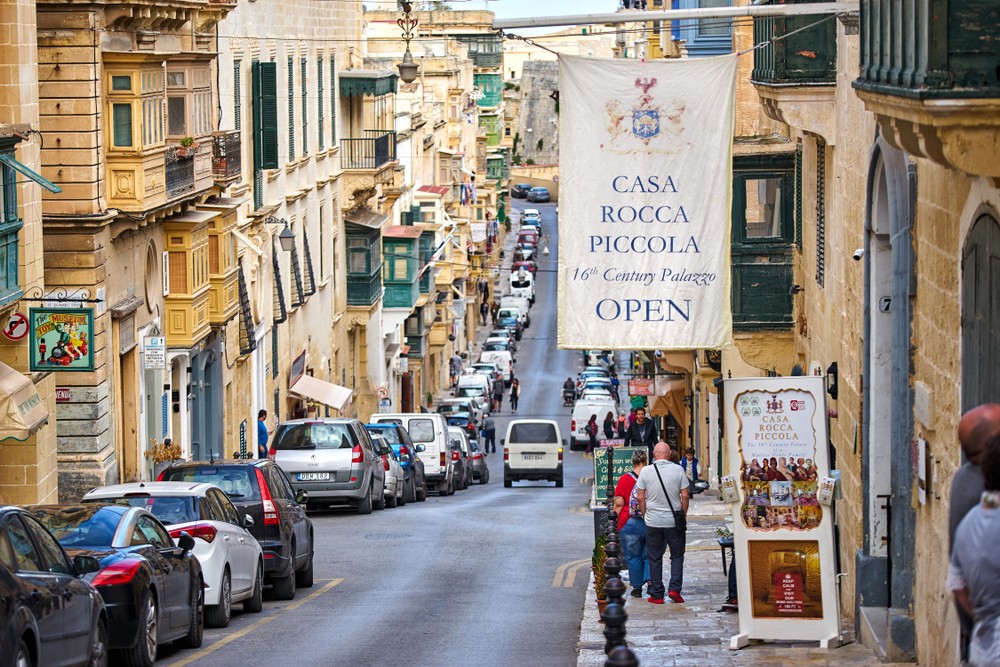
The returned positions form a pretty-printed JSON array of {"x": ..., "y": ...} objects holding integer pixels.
[{"x": 980, "y": 313}]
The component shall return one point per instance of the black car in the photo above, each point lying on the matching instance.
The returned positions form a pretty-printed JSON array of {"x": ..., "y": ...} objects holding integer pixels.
[
  {"x": 520, "y": 190},
  {"x": 152, "y": 588},
  {"x": 49, "y": 614},
  {"x": 464, "y": 421},
  {"x": 261, "y": 489},
  {"x": 406, "y": 452},
  {"x": 512, "y": 325}
]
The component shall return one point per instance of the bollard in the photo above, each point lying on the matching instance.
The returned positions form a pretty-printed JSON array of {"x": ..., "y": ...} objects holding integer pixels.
[
  {"x": 614, "y": 618},
  {"x": 621, "y": 656},
  {"x": 614, "y": 615}
]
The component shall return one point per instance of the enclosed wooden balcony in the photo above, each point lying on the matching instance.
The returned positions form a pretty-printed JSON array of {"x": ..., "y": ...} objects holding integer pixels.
[
  {"x": 188, "y": 302},
  {"x": 795, "y": 76},
  {"x": 223, "y": 269},
  {"x": 930, "y": 74}
]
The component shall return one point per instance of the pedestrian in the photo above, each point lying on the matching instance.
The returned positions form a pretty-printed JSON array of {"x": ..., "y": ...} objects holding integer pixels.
[
  {"x": 630, "y": 524},
  {"x": 622, "y": 424},
  {"x": 663, "y": 502},
  {"x": 262, "y": 434},
  {"x": 974, "y": 572},
  {"x": 484, "y": 310},
  {"x": 456, "y": 365},
  {"x": 515, "y": 394},
  {"x": 494, "y": 310},
  {"x": 489, "y": 434},
  {"x": 631, "y": 416},
  {"x": 615, "y": 384},
  {"x": 609, "y": 425},
  {"x": 690, "y": 465},
  {"x": 976, "y": 427},
  {"x": 642, "y": 432},
  {"x": 497, "y": 395},
  {"x": 591, "y": 429}
]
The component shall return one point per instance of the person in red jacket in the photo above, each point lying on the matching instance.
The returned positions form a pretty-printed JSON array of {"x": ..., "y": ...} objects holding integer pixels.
[{"x": 631, "y": 526}]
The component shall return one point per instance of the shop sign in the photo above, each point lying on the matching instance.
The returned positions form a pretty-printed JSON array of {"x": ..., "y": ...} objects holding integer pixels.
[
  {"x": 641, "y": 387},
  {"x": 621, "y": 464},
  {"x": 61, "y": 339},
  {"x": 154, "y": 352}
]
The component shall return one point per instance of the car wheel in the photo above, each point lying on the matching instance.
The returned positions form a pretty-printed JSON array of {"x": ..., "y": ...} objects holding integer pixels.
[
  {"x": 365, "y": 504},
  {"x": 507, "y": 482},
  {"x": 391, "y": 501},
  {"x": 284, "y": 587},
  {"x": 422, "y": 493},
  {"x": 451, "y": 486},
  {"x": 218, "y": 615},
  {"x": 403, "y": 494},
  {"x": 410, "y": 490},
  {"x": 378, "y": 502},
  {"x": 304, "y": 575},
  {"x": 22, "y": 656},
  {"x": 99, "y": 651},
  {"x": 485, "y": 477},
  {"x": 559, "y": 482},
  {"x": 196, "y": 628},
  {"x": 255, "y": 603},
  {"x": 143, "y": 654}
]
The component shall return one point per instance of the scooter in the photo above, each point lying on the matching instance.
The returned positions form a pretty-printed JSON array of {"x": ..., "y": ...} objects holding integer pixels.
[{"x": 568, "y": 397}]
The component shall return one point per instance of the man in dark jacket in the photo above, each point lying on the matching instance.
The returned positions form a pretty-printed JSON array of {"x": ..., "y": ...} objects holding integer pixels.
[{"x": 642, "y": 432}]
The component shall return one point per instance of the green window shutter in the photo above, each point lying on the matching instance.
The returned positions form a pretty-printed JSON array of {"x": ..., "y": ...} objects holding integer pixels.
[
  {"x": 237, "y": 95},
  {"x": 291, "y": 108},
  {"x": 265, "y": 115},
  {"x": 333, "y": 101},
  {"x": 305, "y": 107},
  {"x": 320, "y": 130},
  {"x": 798, "y": 196}
]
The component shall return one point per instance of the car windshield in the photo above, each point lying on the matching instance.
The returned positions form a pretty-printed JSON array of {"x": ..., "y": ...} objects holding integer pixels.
[
  {"x": 168, "y": 509},
  {"x": 496, "y": 346},
  {"x": 316, "y": 435},
  {"x": 390, "y": 434},
  {"x": 520, "y": 284},
  {"x": 531, "y": 433},
  {"x": 234, "y": 481},
  {"x": 458, "y": 419},
  {"x": 468, "y": 391},
  {"x": 81, "y": 526}
]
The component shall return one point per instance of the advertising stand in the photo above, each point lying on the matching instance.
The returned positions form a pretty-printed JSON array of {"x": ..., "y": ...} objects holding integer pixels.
[{"x": 779, "y": 485}]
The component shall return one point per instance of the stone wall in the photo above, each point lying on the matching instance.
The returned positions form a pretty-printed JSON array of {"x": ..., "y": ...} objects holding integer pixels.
[{"x": 539, "y": 79}]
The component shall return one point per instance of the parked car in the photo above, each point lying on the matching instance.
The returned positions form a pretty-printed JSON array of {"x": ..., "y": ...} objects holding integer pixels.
[
  {"x": 480, "y": 471},
  {"x": 232, "y": 562},
  {"x": 534, "y": 223},
  {"x": 494, "y": 344},
  {"x": 152, "y": 588},
  {"x": 520, "y": 190},
  {"x": 333, "y": 460},
  {"x": 407, "y": 455},
  {"x": 523, "y": 306},
  {"x": 539, "y": 194},
  {"x": 530, "y": 215},
  {"x": 469, "y": 405},
  {"x": 261, "y": 489},
  {"x": 502, "y": 358},
  {"x": 528, "y": 235},
  {"x": 490, "y": 367},
  {"x": 431, "y": 431},
  {"x": 464, "y": 421},
  {"x": 525, "y": 252},
  {"x": 472, "y": 385},
  {"x": 460, "y": 455},
  {"x": 50, "y": 614},
  {"x": 529, "y": 265},
  {"x": 503, "y": 333},
  {"x": 533, "y": 450},
  {"x": 512, "y": 323},
  {"x": 522, "y": 283},
  {"x": 395, "y": 478}
]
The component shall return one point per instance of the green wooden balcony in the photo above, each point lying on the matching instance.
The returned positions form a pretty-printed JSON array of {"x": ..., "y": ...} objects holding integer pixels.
[
  {"x": 363, "y": 290},
  {"x": 418, "y": 346},
  {"x": 401, "y": 294},
  {"x": 808, "y": 57},
  {"x": 762, "y": 299}
]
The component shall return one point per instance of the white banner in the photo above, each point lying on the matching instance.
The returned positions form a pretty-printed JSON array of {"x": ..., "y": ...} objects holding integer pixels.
[
  {"x": 478, "y": 231},
  {"x": 646, "y": 195}
]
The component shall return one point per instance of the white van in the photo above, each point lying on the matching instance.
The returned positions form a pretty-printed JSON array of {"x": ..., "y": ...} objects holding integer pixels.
[
  {"x": 522, "y": 284},
  {"x": 523, "y": 306},
  {"x": 429, "y": 429},
  {"x": 503, "y": 359},
  {"x": 533, "y": 449},
  {"x": 474, "y": 385},
  {"x": 593, "y": 404}
]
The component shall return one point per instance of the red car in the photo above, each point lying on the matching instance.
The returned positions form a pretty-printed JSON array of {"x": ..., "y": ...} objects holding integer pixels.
[{"x": 528, "y": 266}]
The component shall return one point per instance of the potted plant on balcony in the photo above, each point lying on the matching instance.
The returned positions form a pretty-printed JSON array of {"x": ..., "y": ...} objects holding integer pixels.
[{"x": 186, "y": 147}]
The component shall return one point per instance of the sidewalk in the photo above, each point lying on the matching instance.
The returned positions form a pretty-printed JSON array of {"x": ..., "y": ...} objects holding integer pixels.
[{"x": 695, "y": 633}]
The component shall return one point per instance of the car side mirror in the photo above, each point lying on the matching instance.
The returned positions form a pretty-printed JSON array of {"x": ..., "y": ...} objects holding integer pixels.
[
  {"x": 185, "y": 542},
  {"x": 564, "y": 443},
  {"x": 420, "y": 448},
  {"x": 301, "y": 496},
  {"x": 86, "y": 564},
  {"x": 247, "y": 521}
]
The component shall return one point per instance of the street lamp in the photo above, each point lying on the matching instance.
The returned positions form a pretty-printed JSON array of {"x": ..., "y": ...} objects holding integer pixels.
[
  {"x": 407, "y": 68},
  {"x": 286, "y": 236}
]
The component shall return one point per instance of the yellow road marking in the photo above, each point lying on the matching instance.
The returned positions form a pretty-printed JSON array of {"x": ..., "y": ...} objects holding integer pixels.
[
  {"x": 580, "y": 510},
  {"x": 253, "y": 626},
  {"x": 566, "y": 573}
]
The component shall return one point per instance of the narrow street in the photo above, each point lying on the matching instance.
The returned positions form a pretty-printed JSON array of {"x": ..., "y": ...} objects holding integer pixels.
[{"x": 489, "y": 576}]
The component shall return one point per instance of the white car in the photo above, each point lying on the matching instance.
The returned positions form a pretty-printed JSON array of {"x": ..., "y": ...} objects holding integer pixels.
[
  {"x": 230, "y": 557},
  {"x": 395, "y": 477},
  {"x": 533, "y": 450}
]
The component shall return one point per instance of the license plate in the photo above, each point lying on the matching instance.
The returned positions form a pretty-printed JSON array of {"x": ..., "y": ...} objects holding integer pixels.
[
  {"x": 533, "y": 457},
  {"x": 313, "y": 476}
]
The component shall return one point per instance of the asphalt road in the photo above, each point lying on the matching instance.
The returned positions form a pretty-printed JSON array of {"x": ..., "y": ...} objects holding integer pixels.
[{"x": 489, "y": 576}]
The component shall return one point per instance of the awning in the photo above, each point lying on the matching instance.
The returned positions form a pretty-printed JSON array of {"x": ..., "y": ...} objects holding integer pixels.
[
  {"x": 9, "y": 160},
  {"x": 321, "y": 391},
  {"x": 21, "y": 409},
  {"x": 366, "y": 218},
  {"x": 361, "y": 82}
]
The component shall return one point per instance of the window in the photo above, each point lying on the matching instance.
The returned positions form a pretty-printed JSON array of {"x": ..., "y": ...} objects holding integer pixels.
[
  {"x": 333, "y": 100},
  {"x": 291, "y": 108},
  {"x": 705, "y": 37},
  {"x": 421, "y": 430},
  {"x": 10, "y": 226},
  {"x": 51, "y": 554},
  {"x": 305, "y": 106},
  {"x": 265, "y": 122},
  {"x": 25, "y": 555},
  {"x": 189, "y": 101},
  {"x": 761, "y": 207},
  {"x": 237, "y": 96},
  {"x": 121, "y": 123},
  {"x": 357, "y": 255},
  {"x": 320, "y": 130},
  {"x": 153, "y": 534},
  {"x": 136, "y": 104},
  {"x": 6, "y": 553},
  {"x": 322, "y": 235},
  {"x": 397, "y": 262}
]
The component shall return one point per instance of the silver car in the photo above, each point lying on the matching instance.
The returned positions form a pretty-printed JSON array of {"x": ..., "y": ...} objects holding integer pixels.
[
  {"x": 333, "y": 460},
  {"x": 480, "y": 471}
]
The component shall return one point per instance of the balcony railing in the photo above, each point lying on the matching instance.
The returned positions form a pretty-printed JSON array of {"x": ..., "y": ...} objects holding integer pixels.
[
  {"x": 762, "y": 293},
  {"x": 179, "y": 173},
  {"x": 933, "y": 49},
  {"x": 418, "y": 346},
  {"x": 226, "y": 155},
  {"x": 808, "y": 57},
  {"x": 487, "y": 60},
  {"x": 377, "y": 148},
  {"x": 363, "y": 290},
  {"x": 401, "y": 294}
]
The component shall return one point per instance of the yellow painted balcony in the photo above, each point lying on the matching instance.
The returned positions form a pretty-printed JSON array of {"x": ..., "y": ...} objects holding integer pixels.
[
  {"x": 142, "y": 181},
  {"x": 224, "y": 299},
  {"x": 438, "y": 335},
  {"x": 188, "y": 302}
]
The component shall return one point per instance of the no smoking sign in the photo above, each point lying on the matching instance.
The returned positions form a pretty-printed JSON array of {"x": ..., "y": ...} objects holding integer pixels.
[{"x": 17, "y": 327}]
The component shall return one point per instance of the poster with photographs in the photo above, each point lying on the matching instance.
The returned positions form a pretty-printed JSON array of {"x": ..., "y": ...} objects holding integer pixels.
[
  {"x": 777, "y": 454},
  {"x": 778, "y": 476}
]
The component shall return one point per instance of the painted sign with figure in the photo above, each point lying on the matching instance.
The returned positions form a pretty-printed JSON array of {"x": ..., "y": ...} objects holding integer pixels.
[
  {"x": 776, "y": 440},
  {"x": 61, "y": 339}
]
